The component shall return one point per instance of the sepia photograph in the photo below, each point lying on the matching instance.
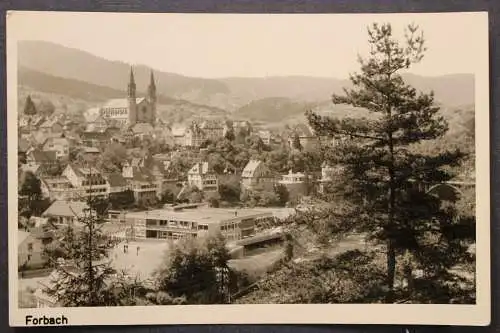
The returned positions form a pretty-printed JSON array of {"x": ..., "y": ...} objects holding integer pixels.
[{"x": 233, "y": 168}]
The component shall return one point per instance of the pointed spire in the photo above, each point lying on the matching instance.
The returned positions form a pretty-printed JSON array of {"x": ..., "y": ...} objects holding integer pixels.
[
  {"x": 131, "y": 75},
  {"x": 152, "y": 79}
]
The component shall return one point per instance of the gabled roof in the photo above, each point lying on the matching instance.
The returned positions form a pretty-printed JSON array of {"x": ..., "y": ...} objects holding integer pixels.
[
  {"x": 250, "y": 168},
  {"x": 84, "y": 171},
  {"x": 116, "y": 180},
  {"x": 43, "y": 156},
  {"x": 91, "y": 150},
  {"x": 22, "y": 236},
  {"x": 141, "y": 128},
  {"x": 50, "y": 122},
  {"x": 201, "y": 168},
  {"x": 67, "y": 209},
  {"x": 56, "y": 141}
]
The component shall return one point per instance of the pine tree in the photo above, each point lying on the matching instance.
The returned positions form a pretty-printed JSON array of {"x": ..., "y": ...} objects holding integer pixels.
[
  {"x": 383, "y": 174},
  {"x": 29, "y": 107}
]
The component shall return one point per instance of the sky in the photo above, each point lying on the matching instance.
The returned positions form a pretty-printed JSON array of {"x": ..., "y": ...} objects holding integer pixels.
[{"x": 251, "y": 45}]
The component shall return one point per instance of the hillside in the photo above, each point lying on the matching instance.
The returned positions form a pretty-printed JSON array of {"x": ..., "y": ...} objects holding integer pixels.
[
  {"x": 76, "y": 96},
  {"x": 225, "y": 93},
  {"x": 272, "y": 109}
]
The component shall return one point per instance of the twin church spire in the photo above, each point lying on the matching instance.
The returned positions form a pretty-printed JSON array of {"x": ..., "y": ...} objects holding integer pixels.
[
  {"x": 148, "y": 113},
  {"x": 132, "y": 89}
]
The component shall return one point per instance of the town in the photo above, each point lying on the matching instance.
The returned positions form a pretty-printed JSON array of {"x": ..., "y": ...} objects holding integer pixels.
[{"x": 219, "y": 209}]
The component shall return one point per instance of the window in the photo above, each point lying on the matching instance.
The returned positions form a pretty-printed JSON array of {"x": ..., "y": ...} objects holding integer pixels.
[{"x": 30, "y": 247}]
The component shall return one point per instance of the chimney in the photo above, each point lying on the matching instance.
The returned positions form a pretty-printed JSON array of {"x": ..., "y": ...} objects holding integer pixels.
[{"x": 235, "y": 213}]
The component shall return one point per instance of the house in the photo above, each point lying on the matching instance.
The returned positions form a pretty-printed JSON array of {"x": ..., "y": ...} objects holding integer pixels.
[
  {"x": 298, "y": 184},
  {"x": 203, "y": 177},
  {"x": 213, "y": 129},
  {"x": 142, "y": 130},
  {"x": 37, "y": 158},
  {"x": 67, "y": 213},
  {"x": 328, "y": 175},
  {"x": 89, "y": 181},
  {"x": 194, "y": 136},
  {"x": 58, "y": 188},
  {"x": 265, "y": 136},
  {"x": 141, "y": 182},
  {"x": 116, "y": 183},
  {"x": 90, "y": 153},
  {"x": 30, "y": 250},
  {"x": 23, "y": 146},
  {"x": 59, "y": 145},
  {"x": 307, "y": 138},
  {"x": 95, "y": 138},
  {"x": 52, "y": 125},
  {"x": 32, "y": 245},
  {"x": 256, "y": 173},
  {"x": 98, "y": 124}
]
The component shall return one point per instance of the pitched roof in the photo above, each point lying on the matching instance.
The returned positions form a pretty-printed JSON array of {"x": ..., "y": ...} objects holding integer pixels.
[
  {"x": 57, "y": 140},
  {"x": 89, "y": 150},
  {"x": 116, "y": 180},
  {"x": 22, "y": 236},
  {"x": 142, "y": 128},
  {"x": 23, "y": 145},
  {"x": 83, "y": 171},
  {"x": 201, "y": 168},
  {"x": 120, "y": 102},
  {"x": 50, "y": 122},
  {"x": 250, "y": 168},
  {"x": 66, "y": 208},
  {"x": 43, "y": 156}
]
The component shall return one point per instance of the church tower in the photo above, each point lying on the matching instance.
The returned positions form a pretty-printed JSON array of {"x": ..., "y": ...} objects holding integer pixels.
[
  {"x": 152, "y": 98},
  {"x": 132, "y": 106}
]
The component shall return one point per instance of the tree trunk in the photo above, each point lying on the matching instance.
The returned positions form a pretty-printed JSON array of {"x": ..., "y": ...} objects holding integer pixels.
[{"x": 391, "y": 269}]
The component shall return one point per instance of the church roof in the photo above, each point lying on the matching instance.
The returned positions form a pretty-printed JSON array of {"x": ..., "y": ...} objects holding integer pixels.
[
  {"x": 120, "y": 102},
  {"x": 143, "y": 128}
]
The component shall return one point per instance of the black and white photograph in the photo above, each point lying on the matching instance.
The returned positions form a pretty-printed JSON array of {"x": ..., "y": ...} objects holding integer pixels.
[{"x": 234, "y": 168}]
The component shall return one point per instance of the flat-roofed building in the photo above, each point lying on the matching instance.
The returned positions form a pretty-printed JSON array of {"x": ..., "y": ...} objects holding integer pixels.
[{"x": 190, "y": 221}]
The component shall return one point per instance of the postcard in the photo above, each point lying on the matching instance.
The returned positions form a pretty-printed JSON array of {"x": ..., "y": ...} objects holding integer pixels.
[{"x": 248, "y": 169}]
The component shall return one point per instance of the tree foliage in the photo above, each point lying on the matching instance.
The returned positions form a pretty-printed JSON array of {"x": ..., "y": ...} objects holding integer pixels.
[
  {"x": 382, "y": 172},
  {"x": 29, "y": 107},
  {"x": 196, "y": 269}
]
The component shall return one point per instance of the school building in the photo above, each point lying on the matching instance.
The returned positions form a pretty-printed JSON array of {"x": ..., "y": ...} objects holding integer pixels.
[{"x": 190, "y": 221}]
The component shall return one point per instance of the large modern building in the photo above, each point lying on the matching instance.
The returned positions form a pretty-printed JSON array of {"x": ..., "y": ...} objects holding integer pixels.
[{"x": 191, "y": 221}]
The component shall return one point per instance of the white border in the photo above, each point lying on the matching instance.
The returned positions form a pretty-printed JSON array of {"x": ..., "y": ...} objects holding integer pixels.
[{"x": 406, "y": 314}]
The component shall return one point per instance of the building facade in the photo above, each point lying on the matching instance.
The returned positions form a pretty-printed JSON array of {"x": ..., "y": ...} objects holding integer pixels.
[
  {"x": 256, "y": 173},
  {"x": 201, "y": 176},
  {"x": 89, "y": 181},
  {"x": 190, "y": 221},
  {"x": 132, "y": 110}
]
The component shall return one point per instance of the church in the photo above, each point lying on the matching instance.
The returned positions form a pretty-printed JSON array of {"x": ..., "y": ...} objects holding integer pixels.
[{"x": 124, "y": 112}]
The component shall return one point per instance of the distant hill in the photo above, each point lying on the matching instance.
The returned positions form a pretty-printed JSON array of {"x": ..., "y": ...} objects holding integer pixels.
[
  {"x": 272, "y": 109},
  {"x": 78, "y": 95},
  {"x": 226, "y": 93}
]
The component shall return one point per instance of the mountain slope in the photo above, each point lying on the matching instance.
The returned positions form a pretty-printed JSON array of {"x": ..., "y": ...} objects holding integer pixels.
[
  {"x": 64, "y": 91},
  {"x": 66, "y": 62},
  {"x": 225, "y": 93}
]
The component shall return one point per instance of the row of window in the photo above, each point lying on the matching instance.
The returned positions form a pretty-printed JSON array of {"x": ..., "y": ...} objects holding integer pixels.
[
  {"x": 95, "y": 182},
  {"x": 99, "y": 190},
  {"x": 114, "y": 112}
]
